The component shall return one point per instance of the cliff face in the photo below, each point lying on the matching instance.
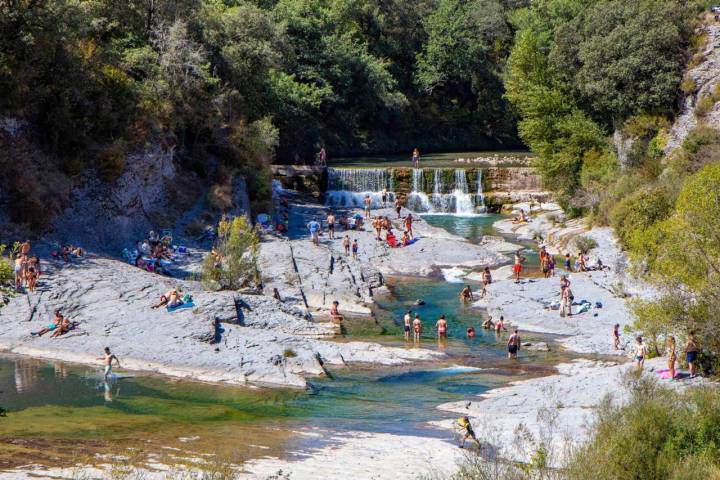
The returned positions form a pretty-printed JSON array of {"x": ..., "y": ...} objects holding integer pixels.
[{"x": 704, "y": 73}]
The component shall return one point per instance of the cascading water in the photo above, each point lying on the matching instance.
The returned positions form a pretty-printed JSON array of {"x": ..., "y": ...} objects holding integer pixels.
[
  {"x": 417, "y": 200},
  {"x": 480, "y": 196},
  {"x": 348, "y": 187},
  {"x": 463, "y": 199}
]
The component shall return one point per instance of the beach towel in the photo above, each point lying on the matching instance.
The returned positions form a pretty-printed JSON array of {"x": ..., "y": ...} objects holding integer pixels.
[
  {"x": 182, "y": 306},
  {"x": 665, "y": 374},
  {"x": 585, "y": 307}
]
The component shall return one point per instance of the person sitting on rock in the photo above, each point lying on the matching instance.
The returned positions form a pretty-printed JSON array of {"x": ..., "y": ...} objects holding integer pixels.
[
  {"x": 56, "y": 322},
  {"x": 64, "y": 327},
  {"x": 171, "y": 299},
  {"x": 405, "y": 239}
]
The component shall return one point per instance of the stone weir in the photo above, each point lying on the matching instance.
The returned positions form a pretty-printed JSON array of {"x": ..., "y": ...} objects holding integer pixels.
[{"x": 427, "y": 190}]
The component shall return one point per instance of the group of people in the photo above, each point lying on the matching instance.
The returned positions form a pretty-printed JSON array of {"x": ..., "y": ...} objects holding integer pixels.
[
  {"x": 151, "y": 253},
  {"x": 640, "y": 352},
  {"x": 26, "y": 268},
  {"x": 381, "y": 224},
  {"x": 59, "y": 325}
]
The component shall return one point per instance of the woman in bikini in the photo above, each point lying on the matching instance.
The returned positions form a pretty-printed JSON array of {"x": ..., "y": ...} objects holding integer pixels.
[
  {"x": 487, "y": 280},
  {"x": 417, "y": 328},
  {"x": 442, "y": 327},
  {"x": 671, "y": 356},
  {"x": 691, "y": 354}
]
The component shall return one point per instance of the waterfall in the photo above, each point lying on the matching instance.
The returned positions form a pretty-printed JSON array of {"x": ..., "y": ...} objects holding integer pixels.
[
  {"x": 418, "y": 200},
  {"x": 348, "y": 187},
  {"x": 463, "y": 199},
  {"x": 480, "y": 199}
]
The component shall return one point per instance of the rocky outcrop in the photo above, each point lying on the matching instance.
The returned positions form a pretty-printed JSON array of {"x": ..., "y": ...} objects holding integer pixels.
[
  {"x": 224, "y": 337},
  {"x": 705, "y": 75}
]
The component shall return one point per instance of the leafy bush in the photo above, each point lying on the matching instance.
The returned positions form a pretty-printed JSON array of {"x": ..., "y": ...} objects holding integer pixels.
[
  {"x": 704, "y": 105},
  {"x": 688, "y": 86},
  {"x": 638, "y": 211},
  {"x": 6, "y": 267},
  {"x": 234, "y": 264},
  {"x": 658, "y": 435},
  {"x": 700, "y": 137},
  {"x": 289, "y": 353},
  {"x": 585, "y": 243}
]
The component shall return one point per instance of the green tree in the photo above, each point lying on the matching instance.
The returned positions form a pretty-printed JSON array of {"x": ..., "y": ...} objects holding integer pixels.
[{"x": 233, "y": 264}]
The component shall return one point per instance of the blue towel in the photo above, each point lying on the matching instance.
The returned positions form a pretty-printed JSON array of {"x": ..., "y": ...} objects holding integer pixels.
[{"x": 180, "y": 307}]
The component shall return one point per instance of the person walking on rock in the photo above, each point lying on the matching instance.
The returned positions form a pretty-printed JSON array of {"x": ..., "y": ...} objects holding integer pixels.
[
  {"x": 346, "y": 245},
  {"x": 355, "y": 249},
  {"x": 314, "y": 228},
  {"x": 331, "y": 225},
  {"x": 409, "y": 224}
]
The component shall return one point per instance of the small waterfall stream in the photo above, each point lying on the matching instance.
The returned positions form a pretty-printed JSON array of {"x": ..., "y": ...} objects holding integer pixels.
[{"x": 348, "y": 187}]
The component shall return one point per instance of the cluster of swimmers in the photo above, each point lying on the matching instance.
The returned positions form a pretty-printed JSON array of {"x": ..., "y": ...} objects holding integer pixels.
[
  {"x": 414, "y": 326},
  {"x": 26, "y": 268}
]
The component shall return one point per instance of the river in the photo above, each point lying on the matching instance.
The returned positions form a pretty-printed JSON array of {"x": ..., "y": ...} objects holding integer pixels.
[{"x": 58, "y": 413}]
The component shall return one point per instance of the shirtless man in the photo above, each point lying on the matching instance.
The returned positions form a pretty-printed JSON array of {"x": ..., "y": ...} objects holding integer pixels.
[
  {"x": 408, "y": 324},
  {"x": 355, "y": 249},
  {"x": 171, "y": 298},
  {"x": 417, "y": 328},
  {"x": 442, "y": 327},
  {"x": 408, "y": 225},
  {"x": 367, "y": 201},
  {"x": 466, "y": 294},
  {"x": 61, "y": 329},
  {"x": 640, "y": 352},
  {"x": 331, "y": 225},
  {"x": 517, "y": 266},
  {"x": 346, "y": 245},
  {"x": 566, "y": 299},
  {"x": 513, "y": 345},
  {"x": 56, "y": 322},
  {"x": 107, "y": 359},
  {"x": 488, "y": 324},
  {"x": 398, "y": 207}
]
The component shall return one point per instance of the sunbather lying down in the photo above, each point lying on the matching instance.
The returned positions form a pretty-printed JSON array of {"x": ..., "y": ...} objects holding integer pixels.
[{"x": 172, "y": 298}]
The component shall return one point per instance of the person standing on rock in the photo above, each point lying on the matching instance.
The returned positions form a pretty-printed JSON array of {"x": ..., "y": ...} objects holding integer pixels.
[
  {"x": 417, "y": 328},
  {"x": 408, "y": 321},
  {"x": 671, "y": 356},
  {"x": 691, "y": 354},
  {"x": 331, "y": 225},
  {"x": 346, "y": 245},
  {"x": 416, "y": 158},
  {"x": 377, "y": 225},
  {"x": 384, "y": 197},
  {"x": 398, "y": 207},
  {"x": 568, "y": 264},
  {"x": 517, "y": 266},
  {"x": 314, "y": 227},
  {"x": 409, "y": 224},
  {"x": 367, "y": 201},
  {"x": 487, "y": 280},
  {"x": 513, "y": 345},
  {"x": 616, "y": 336},
  {"x": 107, "y": 359},
  {"x": 469, "y": 433},
  {"x": 640, "y": 352},
  {"x": 355, "y": 249},
  {"x": 566, "y": 299}
]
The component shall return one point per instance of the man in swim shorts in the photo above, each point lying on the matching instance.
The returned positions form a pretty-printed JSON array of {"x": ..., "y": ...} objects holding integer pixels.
[
  {"x": 517, "y": 266},
  {"x": 513, "y": 345},
  {"x": 408, "y": 322},
  {"x": 314, "y": 227},
  {"x": 464, "y": 423},
  {"x": 107, "y": 359}
]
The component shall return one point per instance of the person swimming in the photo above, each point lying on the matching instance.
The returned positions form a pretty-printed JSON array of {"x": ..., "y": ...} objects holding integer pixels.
[{"x": 471, "y": 332}]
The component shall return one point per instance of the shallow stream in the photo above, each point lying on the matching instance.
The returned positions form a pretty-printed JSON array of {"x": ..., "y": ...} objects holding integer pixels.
[{"x": 57, "y": 413}]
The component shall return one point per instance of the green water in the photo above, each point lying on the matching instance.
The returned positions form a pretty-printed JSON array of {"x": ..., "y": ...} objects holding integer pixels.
[
  {"x": 430, "y": 160},
  {"x": 59, "y": 408}
]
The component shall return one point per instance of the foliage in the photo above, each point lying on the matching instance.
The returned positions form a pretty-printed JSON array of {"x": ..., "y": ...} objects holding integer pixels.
[
  {"x": 647, "y": 439},
  {"x": 585, "y": 244},
  {"x": 638, "y": 211},
  {"x": 6, "y": 267},
  {"x": 234, "y": 263}
]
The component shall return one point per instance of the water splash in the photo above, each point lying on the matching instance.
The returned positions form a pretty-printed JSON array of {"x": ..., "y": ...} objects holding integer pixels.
[
  {"x": 417, "y": 200},
  {"x": 348, "y": 187}
]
